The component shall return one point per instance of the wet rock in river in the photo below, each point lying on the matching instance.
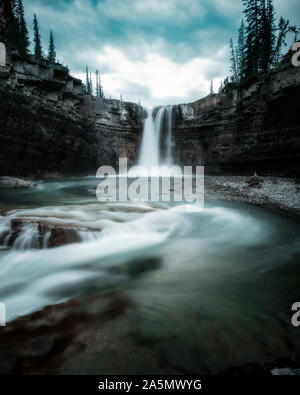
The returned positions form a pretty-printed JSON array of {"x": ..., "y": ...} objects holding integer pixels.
[
  {"x": 29, "y": 233},
  {"x": 63, "y": 236}
]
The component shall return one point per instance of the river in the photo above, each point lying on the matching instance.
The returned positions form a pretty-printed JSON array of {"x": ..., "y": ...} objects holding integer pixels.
[{"x": 217, "y": 281}]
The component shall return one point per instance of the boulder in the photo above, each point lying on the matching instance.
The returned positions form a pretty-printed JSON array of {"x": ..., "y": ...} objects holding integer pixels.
[{"x": 44, "y": 233}]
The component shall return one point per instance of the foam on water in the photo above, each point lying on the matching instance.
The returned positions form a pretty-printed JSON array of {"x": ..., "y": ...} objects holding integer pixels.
[
  {"x": 224, "y": 274},
  {"x": 123, "y": 233}
]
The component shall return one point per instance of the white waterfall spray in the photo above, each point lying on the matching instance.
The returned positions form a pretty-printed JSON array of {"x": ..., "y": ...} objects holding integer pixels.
[
  {"x": 169, "y": 157},
  {"x": 150, "y": 154},
  {"x": 157, "y": 127}
]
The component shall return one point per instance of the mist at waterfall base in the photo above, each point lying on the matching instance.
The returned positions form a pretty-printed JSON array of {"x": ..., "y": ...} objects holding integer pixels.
[{"x": 211, "y": 286}]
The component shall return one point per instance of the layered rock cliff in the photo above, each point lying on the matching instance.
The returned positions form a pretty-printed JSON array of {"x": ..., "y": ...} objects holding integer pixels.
[
  {"x": 256, "y": 129},
  {"x": 50, "y": 125}
]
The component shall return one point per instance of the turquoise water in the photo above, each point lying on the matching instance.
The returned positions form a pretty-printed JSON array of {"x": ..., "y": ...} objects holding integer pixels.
[{"x": 213, "y": 284}]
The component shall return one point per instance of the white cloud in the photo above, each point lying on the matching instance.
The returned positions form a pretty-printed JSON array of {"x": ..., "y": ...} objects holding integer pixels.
[
  {"x": 161, "y": 80},
  {"x": 228, "y": 8},
  {"x": 159, "y": 51},
  {"x": 149, "y": 11}
]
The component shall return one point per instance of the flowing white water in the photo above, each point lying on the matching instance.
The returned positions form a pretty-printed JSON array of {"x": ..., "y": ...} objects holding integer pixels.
[
  {"x": 225, "y": 274},
  {"x": 44, "y": 276},
  {"x": 157, "y": 126},
  {"x": 150, "y": 154},
  {"x": 214, "y": 282},
  {"x": 169, "y": 157}
]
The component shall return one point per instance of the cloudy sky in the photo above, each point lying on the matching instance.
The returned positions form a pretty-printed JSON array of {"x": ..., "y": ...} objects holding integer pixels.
[{"x": 156, "y": 51}]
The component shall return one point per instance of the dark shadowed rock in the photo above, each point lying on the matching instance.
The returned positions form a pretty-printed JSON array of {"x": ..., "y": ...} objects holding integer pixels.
[
  {"x": 63, "y": 236},
  {"x": 49, "y": 125},
  {"x": 238, "y": 133},
  {"x": 86, "y": 336}
]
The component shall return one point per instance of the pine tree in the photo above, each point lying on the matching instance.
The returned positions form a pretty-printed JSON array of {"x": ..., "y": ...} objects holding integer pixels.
[
  {"x": 260, "y": 42},
  {"x": 272, "y": 27},
  {"x": 98, "y": 84},
  {"x": 9, "y": 6},
  {"x": 51, "y": 52},
  {"x": 91, "y": 85},
  {"x": 284, "y": 28},
  {"x": 253, "y": 49},
  {"x": 23, "y": 32},
  {"x": 212, "y": 86},
  {"x": 37, "y": 39},
  {"x": 267, "y": 35},
  {"x": 221, "y": 87},
  {"x": 87, "y": 81},
  {"x": 233, "y": 60},
  {"x": 241, "y": 53},
  {"x": 12, "y": 34},
  {"x": 101, "y": 94}
]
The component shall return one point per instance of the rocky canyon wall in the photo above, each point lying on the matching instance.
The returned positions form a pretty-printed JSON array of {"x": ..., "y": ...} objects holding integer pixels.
[
  {"x": 48, "y": 124},
  {"x": 255, "y": 130}
]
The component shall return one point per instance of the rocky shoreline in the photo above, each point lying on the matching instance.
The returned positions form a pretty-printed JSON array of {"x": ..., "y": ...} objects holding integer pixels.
[
  {"x": 280, "y": 194},
  {"x": 94, "y": 335}
]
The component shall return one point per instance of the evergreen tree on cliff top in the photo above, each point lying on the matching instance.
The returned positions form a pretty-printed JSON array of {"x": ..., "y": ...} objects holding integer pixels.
[
  {"x": 241, "y": 49},
  {"x": 267, "y": 34},
  {"x": 51, "y": 52},
  {"x": 12, "y": 26},
  {"x": 23, "y": 32},
  {"x": 253, "y": 29},
  {"x": 9, "y": 6},
  {"x": 234, "y": 61},
  {"x": 260, "y": 41},
  {"x": 283, "y": 29},
  {"x": 97, "y": 83},
  {"x": 87, "y": 80},
  {"x": 91, "y": 85},
  {"x": 37, "y": 39}
]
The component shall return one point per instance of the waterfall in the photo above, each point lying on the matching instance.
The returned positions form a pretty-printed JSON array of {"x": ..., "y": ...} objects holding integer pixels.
[
  {"x": 157, "y": 127},
  {"x": 151, "y": 153},
  {"x": 169, "y": 159}
]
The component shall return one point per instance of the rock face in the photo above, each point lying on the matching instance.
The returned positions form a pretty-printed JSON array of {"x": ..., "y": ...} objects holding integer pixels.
[
  {"x": 50, "y": 125},
  {"x": 256, "y": 130},
  {"x": 23, "y": 233}
]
